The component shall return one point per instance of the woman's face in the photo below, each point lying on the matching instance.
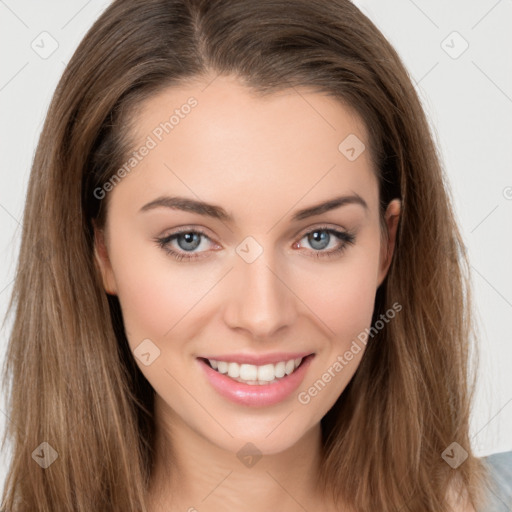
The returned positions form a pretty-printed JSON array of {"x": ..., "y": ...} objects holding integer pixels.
[{"x": 259, "y": 280}]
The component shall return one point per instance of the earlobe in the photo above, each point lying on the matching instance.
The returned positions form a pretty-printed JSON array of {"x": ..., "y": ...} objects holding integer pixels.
[
  {"x": 103, "y": 261},
  {"x": 392, "y": 218}
]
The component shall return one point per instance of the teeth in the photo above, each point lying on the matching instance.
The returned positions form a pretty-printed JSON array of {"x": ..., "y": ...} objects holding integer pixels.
[
  {"x": 222, "y": 367},
  {"x": 234, "y": 370},
  {"x": 256, "y": 375},
  {"x": 280, "y": 370},
  {"x": 248, "y": 371},
  {"x": 266, "y": 372}
]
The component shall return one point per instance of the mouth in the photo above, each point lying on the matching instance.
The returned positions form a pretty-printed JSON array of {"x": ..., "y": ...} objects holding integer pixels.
[
  {"x": 256, "y": 385},
  {"x": 255, "y": 375}
]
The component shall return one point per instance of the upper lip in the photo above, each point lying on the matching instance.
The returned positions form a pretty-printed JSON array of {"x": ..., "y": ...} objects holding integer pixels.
[{"x": 258, "y": 359}]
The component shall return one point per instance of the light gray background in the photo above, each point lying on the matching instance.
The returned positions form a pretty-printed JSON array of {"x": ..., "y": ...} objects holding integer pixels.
[{"x": 468, "y": 98}]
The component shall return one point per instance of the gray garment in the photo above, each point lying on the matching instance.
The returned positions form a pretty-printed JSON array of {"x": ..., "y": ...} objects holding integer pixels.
[{"x": 500, "y": 496}]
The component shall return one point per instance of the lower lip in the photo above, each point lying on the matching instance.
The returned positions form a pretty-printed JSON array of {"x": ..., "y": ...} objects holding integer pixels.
[{"x": 256, "y": 395}]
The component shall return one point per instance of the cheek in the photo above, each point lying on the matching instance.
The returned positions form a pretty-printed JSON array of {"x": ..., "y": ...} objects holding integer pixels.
[
  {"x": 154, "y": 293},
  {"x": 161, "y": 297},
  {"x": 341, "y": 294},
  {"x": 344, "y": 304}
]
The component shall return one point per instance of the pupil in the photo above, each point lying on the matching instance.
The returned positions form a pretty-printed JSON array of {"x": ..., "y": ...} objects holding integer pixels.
[
  {"x": 191, "y": 241},
  {"x": 319, "y": 239}
]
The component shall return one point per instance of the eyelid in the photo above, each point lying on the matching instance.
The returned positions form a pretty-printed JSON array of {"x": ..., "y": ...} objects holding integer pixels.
[
  {"x": 347, "y": 239},
  {"x": 321, "y": 226},
  {"x": 187, "y": 229},
  {"x": 163, "y": 242},
  {"x": 345, "y": 236},
  {"x": 299, "y": 235}
]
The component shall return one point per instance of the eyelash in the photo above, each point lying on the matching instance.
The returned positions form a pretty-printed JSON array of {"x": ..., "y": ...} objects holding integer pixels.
[{"x": 346, "y": 237}]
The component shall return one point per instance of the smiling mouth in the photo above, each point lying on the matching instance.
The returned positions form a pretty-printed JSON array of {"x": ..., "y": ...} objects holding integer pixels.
[{"x": 256, "y": 375}]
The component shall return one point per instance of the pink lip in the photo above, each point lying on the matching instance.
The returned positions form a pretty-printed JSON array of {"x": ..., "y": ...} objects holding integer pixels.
[
  {"x": 257, "y": 395},
  {"x": 258, "y": 360}
]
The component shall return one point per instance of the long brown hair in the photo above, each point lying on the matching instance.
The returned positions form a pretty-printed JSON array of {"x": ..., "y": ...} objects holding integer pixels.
[{"x": 71, "y": 379}]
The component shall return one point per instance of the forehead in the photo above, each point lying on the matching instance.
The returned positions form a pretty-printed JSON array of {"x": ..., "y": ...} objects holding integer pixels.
[{"x": 218, "y": 140}]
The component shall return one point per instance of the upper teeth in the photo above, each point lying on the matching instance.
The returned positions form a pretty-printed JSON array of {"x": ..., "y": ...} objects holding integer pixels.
[{"x": 252, "y": 374}]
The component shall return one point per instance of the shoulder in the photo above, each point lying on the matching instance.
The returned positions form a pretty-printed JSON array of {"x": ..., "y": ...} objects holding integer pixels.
[{"x": 499, "y": 497}]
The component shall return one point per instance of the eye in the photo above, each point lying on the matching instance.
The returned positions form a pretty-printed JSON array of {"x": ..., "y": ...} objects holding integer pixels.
[
  {"x": 323, "y": 237},
  {"x": 183, "y": 244},
  {"x": 186, "y": 240}
]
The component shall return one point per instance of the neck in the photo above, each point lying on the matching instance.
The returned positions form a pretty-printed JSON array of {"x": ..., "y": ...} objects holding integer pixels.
[{"x": 191, "y": 473}]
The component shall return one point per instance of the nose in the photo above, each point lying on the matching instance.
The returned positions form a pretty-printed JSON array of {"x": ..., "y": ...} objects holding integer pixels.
[{"x": 260, "y": 300}]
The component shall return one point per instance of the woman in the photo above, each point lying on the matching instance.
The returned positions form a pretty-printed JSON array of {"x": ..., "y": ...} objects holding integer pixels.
[{"x": 241, "y": 284}]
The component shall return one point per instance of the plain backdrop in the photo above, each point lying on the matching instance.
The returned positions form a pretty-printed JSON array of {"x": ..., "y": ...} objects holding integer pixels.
[{"x": 459, "y": 55}]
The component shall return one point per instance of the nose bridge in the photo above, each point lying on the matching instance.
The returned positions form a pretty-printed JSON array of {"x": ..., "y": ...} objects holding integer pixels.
[{"x": 260, "y": 302}]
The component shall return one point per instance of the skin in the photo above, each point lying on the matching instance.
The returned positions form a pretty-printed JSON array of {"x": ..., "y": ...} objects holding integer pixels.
[{"x": 261, "y": 159}]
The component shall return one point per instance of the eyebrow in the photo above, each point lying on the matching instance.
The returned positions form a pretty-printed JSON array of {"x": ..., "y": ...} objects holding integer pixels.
[{"x": 217, "y": 212}]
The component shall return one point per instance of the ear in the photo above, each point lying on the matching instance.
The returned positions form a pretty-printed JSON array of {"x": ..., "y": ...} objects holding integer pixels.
[
  {"x": 103, "y": 261},
  {"x": 391, "y": 219}
]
